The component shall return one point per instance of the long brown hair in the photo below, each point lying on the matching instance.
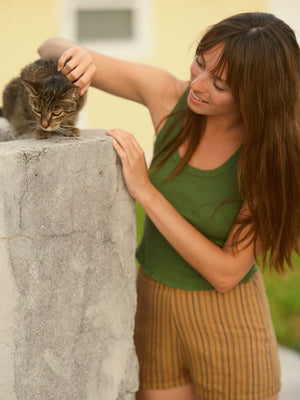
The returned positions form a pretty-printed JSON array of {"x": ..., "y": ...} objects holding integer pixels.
[{"x": 262, "y": 60}]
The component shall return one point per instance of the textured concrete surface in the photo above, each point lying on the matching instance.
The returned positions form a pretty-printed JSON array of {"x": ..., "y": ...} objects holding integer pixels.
[{"x": 67, "y": 271}]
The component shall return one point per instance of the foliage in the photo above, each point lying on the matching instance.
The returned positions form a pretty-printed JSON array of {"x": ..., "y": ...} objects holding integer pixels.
[{"x": 284, "y": 298}]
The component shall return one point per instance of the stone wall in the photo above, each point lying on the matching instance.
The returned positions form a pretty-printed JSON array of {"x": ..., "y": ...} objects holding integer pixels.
[{"x": 67, "y": 272}]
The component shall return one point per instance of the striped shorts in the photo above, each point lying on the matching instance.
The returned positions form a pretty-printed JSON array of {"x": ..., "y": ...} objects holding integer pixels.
[{"x": 222, "y": 343}]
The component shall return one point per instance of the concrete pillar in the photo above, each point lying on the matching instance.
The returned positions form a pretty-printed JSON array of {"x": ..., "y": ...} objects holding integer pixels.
[{"x": 67, "y": 271}]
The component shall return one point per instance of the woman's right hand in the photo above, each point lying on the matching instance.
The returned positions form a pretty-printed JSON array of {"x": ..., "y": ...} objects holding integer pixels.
[{"x": 77, "y": 65}]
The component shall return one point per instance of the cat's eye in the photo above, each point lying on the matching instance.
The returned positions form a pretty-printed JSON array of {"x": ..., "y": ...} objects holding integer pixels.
[
  {"x": 37, "y": 112},
  {"x": 57, "y": 113}
]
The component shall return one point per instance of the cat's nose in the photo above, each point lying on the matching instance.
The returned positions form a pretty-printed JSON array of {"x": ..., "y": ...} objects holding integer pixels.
[{"x": 45, "y": 124}]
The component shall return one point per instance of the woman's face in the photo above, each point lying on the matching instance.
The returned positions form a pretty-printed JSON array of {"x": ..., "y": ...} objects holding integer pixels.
[{"x": 210, "y": 94}]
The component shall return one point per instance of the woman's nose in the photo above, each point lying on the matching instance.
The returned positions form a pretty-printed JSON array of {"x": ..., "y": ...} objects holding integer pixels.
[{"x": 199, "y": 82}]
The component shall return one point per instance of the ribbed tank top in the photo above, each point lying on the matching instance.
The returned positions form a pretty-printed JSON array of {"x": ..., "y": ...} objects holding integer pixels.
[{"x": 197, "y": 195}]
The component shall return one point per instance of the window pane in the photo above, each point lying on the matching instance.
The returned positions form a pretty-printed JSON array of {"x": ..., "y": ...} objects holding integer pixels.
[{"x": 104, "y": 24}]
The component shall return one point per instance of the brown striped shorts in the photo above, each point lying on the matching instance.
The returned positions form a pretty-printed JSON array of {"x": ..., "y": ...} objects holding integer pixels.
[{"x": 222, "y": 343}]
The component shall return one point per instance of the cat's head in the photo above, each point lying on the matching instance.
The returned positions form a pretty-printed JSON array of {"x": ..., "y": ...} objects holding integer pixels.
[{"x": 53, "y": 101}]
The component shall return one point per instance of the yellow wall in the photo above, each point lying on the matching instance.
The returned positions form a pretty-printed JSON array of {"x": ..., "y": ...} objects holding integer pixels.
[
  {"x": 177, "y": 25},
  {"x": 23, "y": 26}
]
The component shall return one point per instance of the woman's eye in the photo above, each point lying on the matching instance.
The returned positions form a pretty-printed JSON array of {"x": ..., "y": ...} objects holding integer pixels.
[
  {"x": 200, "y": 65},
  {"x": 218, "y": 87}
]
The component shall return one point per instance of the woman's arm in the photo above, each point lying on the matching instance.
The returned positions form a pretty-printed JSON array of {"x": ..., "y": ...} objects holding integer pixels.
[
  {"x": 154, "y": 87},
  {"x": 222, "y": 267}
]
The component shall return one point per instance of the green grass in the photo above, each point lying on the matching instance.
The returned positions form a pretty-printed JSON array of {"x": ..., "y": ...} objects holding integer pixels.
[
  {"x": 283, "y": 295},
  {"x": 284, "y": 299}
]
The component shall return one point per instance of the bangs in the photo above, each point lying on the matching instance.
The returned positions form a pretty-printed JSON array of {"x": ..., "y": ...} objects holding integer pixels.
[
  {"x": 224, "y": 60},
  {"x": 234, "y": 60}
]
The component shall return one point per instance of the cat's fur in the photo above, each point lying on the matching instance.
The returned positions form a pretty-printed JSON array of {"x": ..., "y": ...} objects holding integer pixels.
[{"x": 42, "y": 101}]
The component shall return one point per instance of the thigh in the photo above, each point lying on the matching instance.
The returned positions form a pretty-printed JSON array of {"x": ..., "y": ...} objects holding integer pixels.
[{"x": 185, "y": 392}]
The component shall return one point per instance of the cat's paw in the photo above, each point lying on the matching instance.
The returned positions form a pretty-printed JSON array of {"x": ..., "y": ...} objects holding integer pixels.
[
  {"x": 73, "y": 132},
  {"x": 41, "y": 134}
]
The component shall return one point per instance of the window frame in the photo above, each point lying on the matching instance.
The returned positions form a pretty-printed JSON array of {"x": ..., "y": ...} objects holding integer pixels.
[{"x": 141, "y": 43}]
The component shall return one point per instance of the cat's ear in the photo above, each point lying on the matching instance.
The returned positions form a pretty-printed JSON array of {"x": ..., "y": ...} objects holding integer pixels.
[
  {"x": 31, "y": 86},
  {"x": 72, "y": 93}
]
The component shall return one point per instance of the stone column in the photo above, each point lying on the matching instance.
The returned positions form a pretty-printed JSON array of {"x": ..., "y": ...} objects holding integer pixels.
[{"x": 67, "y": 271}]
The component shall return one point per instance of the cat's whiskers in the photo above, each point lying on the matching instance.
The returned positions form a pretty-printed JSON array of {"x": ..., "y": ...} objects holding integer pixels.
[
  {"x": 59, "y": 130},
  {"x": 29, "y": 126},
  {"x": 63, "y": 131},
  {"x": 30, "y": 123}
]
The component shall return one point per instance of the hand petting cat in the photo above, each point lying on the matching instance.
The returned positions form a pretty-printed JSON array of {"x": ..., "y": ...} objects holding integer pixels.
[{"x": 77, "y": 65}]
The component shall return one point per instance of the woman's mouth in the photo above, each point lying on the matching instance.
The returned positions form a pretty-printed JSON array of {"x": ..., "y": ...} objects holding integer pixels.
[{"x": 195, "y": 97}]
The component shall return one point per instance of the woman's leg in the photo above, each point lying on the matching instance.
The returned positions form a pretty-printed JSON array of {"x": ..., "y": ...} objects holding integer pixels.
[{"x": 185, "y": 392}]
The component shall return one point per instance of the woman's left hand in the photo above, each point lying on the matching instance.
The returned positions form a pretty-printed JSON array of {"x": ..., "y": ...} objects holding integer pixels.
[{"x": 133, "y": 161}]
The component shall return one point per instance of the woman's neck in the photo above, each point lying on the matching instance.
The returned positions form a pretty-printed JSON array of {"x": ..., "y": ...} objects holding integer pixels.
[{"x": 224, "y": 129}]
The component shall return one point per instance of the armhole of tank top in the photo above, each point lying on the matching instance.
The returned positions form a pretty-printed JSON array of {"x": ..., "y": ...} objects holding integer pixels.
[{"x": 169, "y": 118}]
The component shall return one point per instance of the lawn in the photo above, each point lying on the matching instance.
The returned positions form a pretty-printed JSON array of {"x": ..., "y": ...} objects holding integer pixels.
[
  {"x": 284, "y": 298},
  {"x": 283, "y": 294}
]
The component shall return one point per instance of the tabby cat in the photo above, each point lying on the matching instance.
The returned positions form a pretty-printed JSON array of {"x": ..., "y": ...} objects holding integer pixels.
[{"x": 42, "y": 101}]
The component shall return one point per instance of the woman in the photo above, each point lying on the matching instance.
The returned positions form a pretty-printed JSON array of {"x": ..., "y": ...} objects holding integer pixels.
[{"x": 224, "y": 187}]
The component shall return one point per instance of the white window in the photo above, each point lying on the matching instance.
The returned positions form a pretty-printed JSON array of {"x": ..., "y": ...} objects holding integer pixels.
[{"x": 115, "y": 27}]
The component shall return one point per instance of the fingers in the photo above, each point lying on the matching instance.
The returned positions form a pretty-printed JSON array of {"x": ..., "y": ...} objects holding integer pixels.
[
  {"x": 127, "y": 147},
  {"x": 86, "y": 78},
  {"x": 77, "y": 65},
  {"x": 68, "y": 54},
  {"x": 119, "y": 150},
  {"x": 134, "y": 167},
  {"x": 122, "y": 137},
  {"x": 121, "y": 147},
  {"x": 84, "y": 90},
  {"x": 127, "y": 142}
]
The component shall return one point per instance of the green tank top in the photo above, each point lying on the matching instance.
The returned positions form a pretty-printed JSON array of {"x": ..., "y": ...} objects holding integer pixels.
[{"x": 196, "y": 195}]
